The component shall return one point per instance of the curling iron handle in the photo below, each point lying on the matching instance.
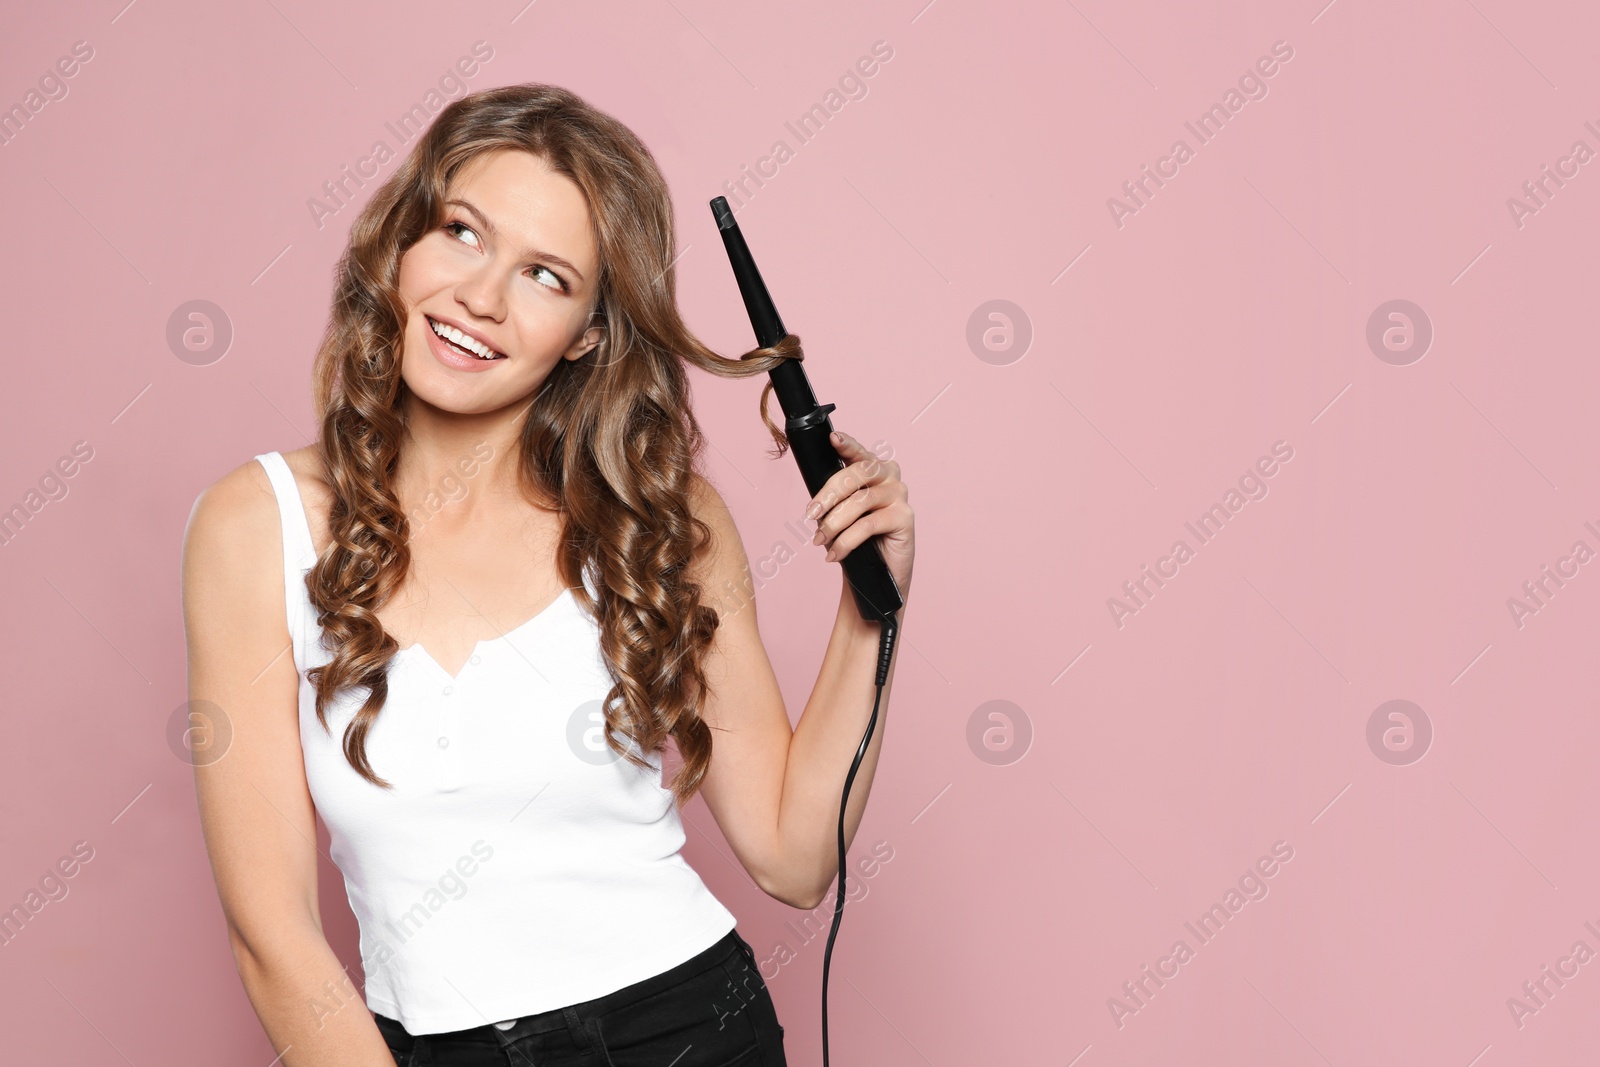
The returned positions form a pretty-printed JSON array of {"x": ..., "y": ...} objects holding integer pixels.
[{"x": 876, "y": 594}]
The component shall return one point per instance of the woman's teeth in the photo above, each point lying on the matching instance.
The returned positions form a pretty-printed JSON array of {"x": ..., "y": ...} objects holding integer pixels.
[{"x": 472, "y": 346}]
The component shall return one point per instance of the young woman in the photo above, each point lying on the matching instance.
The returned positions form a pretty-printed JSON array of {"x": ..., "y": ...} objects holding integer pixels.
[{"x": 462, "y": 625}]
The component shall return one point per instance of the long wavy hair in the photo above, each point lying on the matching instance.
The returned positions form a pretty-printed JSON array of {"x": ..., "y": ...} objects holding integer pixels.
[{"x": 609, "y": 440}]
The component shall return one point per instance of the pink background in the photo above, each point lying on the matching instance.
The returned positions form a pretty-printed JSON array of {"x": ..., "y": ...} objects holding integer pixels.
[{"x": 1163, "y": 756}]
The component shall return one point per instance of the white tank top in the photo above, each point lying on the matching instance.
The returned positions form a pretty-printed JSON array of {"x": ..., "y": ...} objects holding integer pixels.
[{"x": 518, "y": 864}]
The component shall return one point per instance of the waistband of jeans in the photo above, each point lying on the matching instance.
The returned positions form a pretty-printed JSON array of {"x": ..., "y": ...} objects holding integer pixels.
[
  {"x": 725, "y": 946},
  {"x": 566, "y": 1017}
]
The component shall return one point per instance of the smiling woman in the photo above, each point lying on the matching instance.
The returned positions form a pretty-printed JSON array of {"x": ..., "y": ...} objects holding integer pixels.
[
  {"x": 535, "y": 316},
  {"x": 513, "y": 671}
]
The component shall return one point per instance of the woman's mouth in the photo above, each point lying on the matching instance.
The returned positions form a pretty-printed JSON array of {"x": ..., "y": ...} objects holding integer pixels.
[{"x": 460, "y": 344}]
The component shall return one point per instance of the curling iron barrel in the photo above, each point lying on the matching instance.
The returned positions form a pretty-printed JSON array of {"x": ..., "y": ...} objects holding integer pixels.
[{"x": 806, "y": 422}]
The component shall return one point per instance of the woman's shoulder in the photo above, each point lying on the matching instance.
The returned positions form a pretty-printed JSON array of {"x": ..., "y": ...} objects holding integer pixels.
[
  {"x": 306, "y": 466},
  {"x": 704, "y": 496},
  {"x": 242, "y": 502},
  {"x": 232, "y": 543},
  {"x": 722, "y": 557},
  {"x": 316, "y": 492}
]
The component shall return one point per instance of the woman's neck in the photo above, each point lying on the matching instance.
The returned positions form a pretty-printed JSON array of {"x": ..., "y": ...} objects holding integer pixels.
[{"x": 443, "y": 451}]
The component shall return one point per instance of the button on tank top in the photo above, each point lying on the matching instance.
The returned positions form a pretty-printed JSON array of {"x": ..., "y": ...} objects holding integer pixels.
[{"x": 517, "y": 864}]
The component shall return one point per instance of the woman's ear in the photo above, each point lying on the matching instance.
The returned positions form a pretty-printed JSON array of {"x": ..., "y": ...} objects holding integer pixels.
[{"x": 582, "y": 346}]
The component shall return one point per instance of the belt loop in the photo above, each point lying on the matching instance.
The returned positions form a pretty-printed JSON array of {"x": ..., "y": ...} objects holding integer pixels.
[
  {"x": 580, "y": 1033},
  {"x": 745, "y": 949}
]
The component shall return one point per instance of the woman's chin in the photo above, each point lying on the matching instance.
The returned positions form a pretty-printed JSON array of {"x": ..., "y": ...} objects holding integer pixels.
[{"x": 458, "y": 394}]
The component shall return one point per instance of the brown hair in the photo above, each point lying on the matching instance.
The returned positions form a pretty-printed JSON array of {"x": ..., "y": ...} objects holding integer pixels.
[{"x": 609, "y": 439}]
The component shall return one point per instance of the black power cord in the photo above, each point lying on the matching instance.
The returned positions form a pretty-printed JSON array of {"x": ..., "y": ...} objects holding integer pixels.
[{"x": 891, "y": 628}]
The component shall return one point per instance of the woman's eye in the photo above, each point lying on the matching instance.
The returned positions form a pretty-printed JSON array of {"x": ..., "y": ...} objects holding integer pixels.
[
  {"x": 450, "y": 228},
  {"x": 560, "y": 283}
]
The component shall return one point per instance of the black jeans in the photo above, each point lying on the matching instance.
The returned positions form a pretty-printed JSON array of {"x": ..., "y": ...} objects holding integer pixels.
[{"x": 712, "y": 1010}]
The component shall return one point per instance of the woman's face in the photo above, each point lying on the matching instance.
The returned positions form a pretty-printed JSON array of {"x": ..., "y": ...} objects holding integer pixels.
[{"x": 514, "y": 266}]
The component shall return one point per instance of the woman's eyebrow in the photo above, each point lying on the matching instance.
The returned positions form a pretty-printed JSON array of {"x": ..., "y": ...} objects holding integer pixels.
[{"x": 527, "y": 253}]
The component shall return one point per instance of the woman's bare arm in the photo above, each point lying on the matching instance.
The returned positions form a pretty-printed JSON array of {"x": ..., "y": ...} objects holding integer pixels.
[
  {"x": 255, "y": 807},
  {"x": 774, "y": 790}
]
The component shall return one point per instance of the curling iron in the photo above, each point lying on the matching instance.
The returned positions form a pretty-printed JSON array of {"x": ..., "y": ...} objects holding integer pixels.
[
  {"x": 809, "y": 431},
  {"x": 807, "y": 424}
]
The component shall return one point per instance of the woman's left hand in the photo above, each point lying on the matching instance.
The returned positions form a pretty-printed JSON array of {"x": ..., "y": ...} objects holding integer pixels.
[{"x": 863, "y": 498}]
